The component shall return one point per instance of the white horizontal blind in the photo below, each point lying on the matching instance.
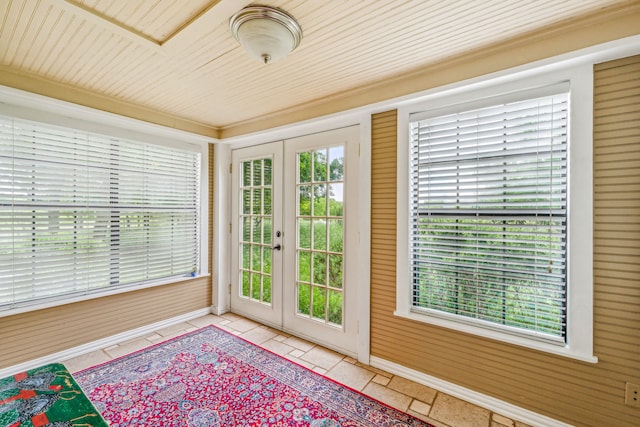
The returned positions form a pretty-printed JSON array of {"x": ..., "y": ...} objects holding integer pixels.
[
  {"x": 81, "y": 212},
  {"x": 488, "y": 216}
]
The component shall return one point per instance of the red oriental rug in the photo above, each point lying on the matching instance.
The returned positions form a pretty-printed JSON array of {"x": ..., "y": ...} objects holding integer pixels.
[{"x": 211, "y": 378}]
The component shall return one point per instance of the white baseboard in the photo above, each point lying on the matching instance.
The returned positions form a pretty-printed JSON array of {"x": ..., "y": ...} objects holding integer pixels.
[
  {"x": 102, "y": 343},
  {"x": 496, "y": 405}
]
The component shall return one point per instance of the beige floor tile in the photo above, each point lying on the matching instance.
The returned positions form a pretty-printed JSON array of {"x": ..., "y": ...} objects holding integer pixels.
[
  {"x": 431, "y": 421},
  {"x": 388, "y": 396},
  {"x": 127, "y": 347},
  {"x": 519, "y": 424},
  {"x": 280, "y": 338},
  {"x": 380, "y": 379},
  {"x": 376, "y": 370},
  {"x": 297, "y": 353},
  {"x": 231, "y": 317},
  {"x": 258, "y": 335},
  {"x": 277, "y": 347},
  {"x": 174, "y": 330},
  {"x": 459, "y": 413},
  {"x": 278, "y": 332},
  {"x": 413, "y": 389},
  {"x": 154, "y": 337},
  {"x": 350, "y": 375},
  {"x": 299, "y": 344},
  {"x": 224, "y": 325},
  {"x": 169, "y": 336},
  {"x": 320, "y": 370},
  {"x": 501, "y": 420},
  {"x": 86, "y": 360},
  {"x": 243, "y": 325},
  {"x": 322, "y": 357},
  {"x": 209, "y": 319},
  {"x": 420, "y": 407},
  {"x": 350, "y": 360}
]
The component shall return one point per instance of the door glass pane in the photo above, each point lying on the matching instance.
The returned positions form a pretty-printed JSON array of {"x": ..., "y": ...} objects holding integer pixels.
[
  {"x": 266, "y": 231},
  {"x": 304, "y": 200},
  {"x": 304, "y": 266},
  {"x": 304, "y": 299},
  {"x": 267, "y": 201},
  {"x": 304, "y": 233},
  {"x": 266, "y": 289},
  {"x": 255, "y": 234},
  {"x": 304, "y": 167},
  {"x": 267, "y": 171},
  {"x": 336, "y": 163},
  {"x": 320, "y": 235},
  {"x": 320, "y": 166},
  {"x": 246, "y": 202},
  {"x": 335, "y": 307},
  {"x": 319, "y": 268},
  {"x": 319, "y": 302},
  {"x": 319, "y": 200},
  {"x": 246, "y": 284},
  {"x": 335, "y": 200},
  {"x": 246, "y": 256},
  {"x": 335, "y": 271}
]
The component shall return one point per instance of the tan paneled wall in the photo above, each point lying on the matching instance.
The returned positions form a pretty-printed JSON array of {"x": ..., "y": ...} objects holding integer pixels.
[
  {"x": 30, "y": 335},
  {"x": 35, "y": 334},
  {"x": 571, "y": 391}
]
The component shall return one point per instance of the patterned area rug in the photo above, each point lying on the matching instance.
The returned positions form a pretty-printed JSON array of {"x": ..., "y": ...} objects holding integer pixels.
[
  {"x": 211, "y": 378},
  {"x": 45, "y": 397}
]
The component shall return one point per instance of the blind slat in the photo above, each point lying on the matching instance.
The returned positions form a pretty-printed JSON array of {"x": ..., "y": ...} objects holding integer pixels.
[
  {"x": 80, "y": 212},
  {"x": 488, "y": 210}
]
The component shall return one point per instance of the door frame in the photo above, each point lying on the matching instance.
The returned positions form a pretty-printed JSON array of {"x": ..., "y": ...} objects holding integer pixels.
[{"x": 221, "y": 177}]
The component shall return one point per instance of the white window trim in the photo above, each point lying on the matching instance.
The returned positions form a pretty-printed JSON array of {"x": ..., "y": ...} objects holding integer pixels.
[
  {"x": 580, "y": 211},
  {"x": 29, "y": 106}
]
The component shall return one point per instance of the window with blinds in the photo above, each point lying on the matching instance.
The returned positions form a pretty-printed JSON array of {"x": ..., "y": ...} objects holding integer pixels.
[
  {"x": 82, "y": 212},
  {"x": 488, "y": 216}
]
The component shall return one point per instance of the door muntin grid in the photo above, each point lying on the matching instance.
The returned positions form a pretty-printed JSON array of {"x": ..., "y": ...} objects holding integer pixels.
[
  {"x": 256, "y": 224},
  {"x": 320, "y": 234}
]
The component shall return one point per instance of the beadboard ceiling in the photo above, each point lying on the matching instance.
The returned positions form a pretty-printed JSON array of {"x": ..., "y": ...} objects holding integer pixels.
[{"x": 179, "y": 59}]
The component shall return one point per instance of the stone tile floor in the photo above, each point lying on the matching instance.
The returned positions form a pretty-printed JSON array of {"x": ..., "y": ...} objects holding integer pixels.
[{"x": 435, "y": 407}]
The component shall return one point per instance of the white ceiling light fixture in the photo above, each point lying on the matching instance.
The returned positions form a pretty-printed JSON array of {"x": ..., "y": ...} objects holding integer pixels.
[{"x": 267, "y": 33}]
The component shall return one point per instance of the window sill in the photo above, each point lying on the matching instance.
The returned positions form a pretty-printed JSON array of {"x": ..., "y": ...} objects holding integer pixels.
[
  {"x": 69, "y": 299},
  {"x": 555, "y": 349}
]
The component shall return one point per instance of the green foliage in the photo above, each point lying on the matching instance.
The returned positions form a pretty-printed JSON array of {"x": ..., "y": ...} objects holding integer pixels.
[{"x": 483, "y": 271}]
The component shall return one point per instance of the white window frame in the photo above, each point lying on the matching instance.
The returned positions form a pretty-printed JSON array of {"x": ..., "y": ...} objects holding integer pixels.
[
  {"x": 579, "y": 341},
  {"x": 38, "y": 108}
]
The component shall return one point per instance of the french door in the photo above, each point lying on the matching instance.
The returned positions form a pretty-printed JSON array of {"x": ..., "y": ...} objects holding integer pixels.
[{"x": 294, "y": 236}]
